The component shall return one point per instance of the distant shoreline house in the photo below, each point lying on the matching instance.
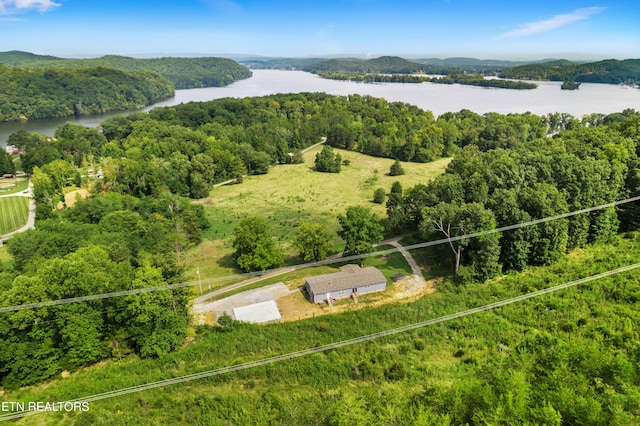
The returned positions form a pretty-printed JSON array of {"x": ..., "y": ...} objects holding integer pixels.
[{"x": 351, "y": 279}]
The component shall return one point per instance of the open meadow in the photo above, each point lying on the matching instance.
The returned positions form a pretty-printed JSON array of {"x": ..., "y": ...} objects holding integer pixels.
[
  {"x": 292, "y": 193},
  {"x": 14, "y": 212}
]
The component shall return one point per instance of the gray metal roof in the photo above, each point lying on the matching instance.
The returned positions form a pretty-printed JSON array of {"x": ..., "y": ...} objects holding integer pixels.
[{"x": 350, "y": 276}]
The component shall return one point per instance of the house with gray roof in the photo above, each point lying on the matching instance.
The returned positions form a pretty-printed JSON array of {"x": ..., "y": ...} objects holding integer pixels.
[{"x": 351, "y": 279}]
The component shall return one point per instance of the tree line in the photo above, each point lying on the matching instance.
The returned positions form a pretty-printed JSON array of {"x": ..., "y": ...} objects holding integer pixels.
[
  {"x": 188, "y": 148},
  {"x": 469, "y": 80}
]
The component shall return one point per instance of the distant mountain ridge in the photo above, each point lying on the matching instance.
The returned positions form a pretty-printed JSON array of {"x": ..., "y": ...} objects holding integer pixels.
[
  {"x": 389, "y": 64},
  {"x": 184, "y": 73},
  {"x": 17, "y": 58},
  {"x": 610, "y": 71}
]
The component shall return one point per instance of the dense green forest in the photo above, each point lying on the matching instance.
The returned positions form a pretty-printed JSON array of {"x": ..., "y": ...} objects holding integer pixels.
[
  {"x": 609, "y": 71},
  {"x": 107, "y": 243},
  {"x": 134, "y": 228},
  {"x": 280, "y": 63},
  {"x": 16, "y": 58},
  {"x": 469, "y": 80},
  {"x": 47, "y": 93},
  {"x": 184, "y": 73},
  {"x": 497, "y": 181}
]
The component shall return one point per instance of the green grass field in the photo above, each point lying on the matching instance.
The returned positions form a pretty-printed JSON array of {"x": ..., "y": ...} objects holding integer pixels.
[
  {"x": 13, "y": 186},
  {"x": 290, "y": 194},
  {"x": 14, "y": 212}
]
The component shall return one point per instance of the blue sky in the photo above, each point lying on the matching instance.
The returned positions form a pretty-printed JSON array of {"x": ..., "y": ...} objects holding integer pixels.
[{"x": 590, "y": 29}]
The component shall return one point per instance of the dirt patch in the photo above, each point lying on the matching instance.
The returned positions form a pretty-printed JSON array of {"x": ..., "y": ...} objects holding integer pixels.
[
  {"x": 71, "y": 197},
  {"x": 295, "y": 306}
]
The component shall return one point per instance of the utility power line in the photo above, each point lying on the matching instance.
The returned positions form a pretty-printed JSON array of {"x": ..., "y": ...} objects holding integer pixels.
[
  {"x": 343, "y": 343},
  {"x": 310, "y": 264}
]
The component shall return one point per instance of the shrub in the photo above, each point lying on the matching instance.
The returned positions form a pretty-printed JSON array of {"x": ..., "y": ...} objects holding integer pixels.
[{"x": 379, "y": 196}]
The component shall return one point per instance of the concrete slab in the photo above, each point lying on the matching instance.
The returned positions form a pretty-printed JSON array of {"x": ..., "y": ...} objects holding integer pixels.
[
  {"x": 218, "y": 307},
  {"x": 258, "y": 313}
]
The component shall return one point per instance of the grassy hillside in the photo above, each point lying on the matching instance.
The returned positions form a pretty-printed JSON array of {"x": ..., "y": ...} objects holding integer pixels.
[
  {"x": 293, "y": 193},
  {"x": 569, "y": 357}
]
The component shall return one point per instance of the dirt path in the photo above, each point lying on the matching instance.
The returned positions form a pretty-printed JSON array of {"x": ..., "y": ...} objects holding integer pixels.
[{"x": 405, "y": 253}]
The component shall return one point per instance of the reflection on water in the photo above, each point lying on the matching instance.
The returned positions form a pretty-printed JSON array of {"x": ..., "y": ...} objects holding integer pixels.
[{"x": 438, "y": 98}]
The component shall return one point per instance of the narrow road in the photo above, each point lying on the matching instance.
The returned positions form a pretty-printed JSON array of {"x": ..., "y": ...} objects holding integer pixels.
[{"x": 405, "y": 253}]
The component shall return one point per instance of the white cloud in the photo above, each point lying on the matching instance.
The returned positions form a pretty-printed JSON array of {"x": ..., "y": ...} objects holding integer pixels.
[
  {"x": 10, "y": 7},
  {"x": 552, "y": 23}
]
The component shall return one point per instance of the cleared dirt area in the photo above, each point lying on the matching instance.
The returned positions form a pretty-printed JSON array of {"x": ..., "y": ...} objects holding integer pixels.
[
  {"x": 71, "y": 197},
  {"x": 249, "y": 297},
  {"x": 294, "y": 305}
]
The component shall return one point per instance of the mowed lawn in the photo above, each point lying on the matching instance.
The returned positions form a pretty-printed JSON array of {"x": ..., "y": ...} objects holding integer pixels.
[
  {"x": 290, "y": 194},
  {"x": 14, "y": 212}
]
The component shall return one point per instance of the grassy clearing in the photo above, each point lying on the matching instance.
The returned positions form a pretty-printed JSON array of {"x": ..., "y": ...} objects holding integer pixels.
[
  {"x": 389, "y": 264},
  {"x": 14, "y": 212},
  {"x": 290, "y": 194}
]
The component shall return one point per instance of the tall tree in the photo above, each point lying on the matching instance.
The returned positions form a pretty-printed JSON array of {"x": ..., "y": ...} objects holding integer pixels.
[
  {"x": 360, "y": 230},
  {"x": 456, "y": 220},
  {"x": 312, "y": 241},
  {"x": 6, "y": 163},
  {"x": 327, "y": 161},
  {"x": 255, "y": 248}
]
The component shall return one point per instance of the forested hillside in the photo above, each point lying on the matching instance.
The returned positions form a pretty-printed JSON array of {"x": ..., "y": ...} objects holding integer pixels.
[
  {"x": 609, "y": 71},
  {"x": 16, "y": 58},
  {"x": 47, "y": 93},
  {"x": 184, "y": 73},
  {"x": 205, "y": 143},
  {"x": 497, "y": 181},
  {"x": 383, "y": 64},
  {"x": 548, "y": 361}
]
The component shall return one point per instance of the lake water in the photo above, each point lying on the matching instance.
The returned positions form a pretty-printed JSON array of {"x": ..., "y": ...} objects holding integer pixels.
[{"x": 438, "y": 98}]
